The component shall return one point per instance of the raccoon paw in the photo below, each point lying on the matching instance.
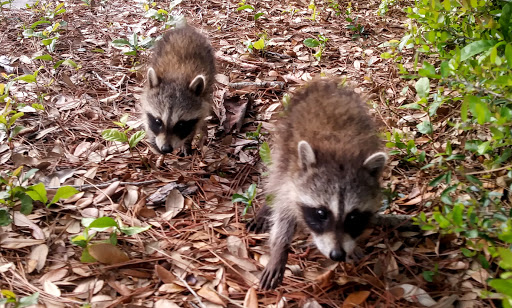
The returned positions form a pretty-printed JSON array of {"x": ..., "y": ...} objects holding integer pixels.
[
  {"x": 258, "y": 226},
  {"x": 272, "y": 276},
  {"x": 260, "y": 223},
  {"x": 356, "y": 255}
]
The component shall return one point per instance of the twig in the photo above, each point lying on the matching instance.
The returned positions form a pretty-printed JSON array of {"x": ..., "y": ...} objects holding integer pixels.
[
  {"x": 260, "y": 84},
  {"x": 489, "y": 171},
  {"x": 244, "y": 65},
  {"x": 106, "y": 184},
  {"x": 108, "y": 84}
]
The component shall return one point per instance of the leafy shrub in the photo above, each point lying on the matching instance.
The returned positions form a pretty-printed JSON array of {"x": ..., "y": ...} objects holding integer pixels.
[{"x": 466, "y": 50}]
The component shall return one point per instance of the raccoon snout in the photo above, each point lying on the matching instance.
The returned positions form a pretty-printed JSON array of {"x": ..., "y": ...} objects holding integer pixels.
[
  {"x": 337, "y": 255},
  {"x": 166, "y": 149}
]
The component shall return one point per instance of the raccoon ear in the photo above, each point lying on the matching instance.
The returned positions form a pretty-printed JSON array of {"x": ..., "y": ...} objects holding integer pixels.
[
  {"x": 153, "y": 79},
  {"x": 306, "y": 155},
  {"x": 197, "y": 85},
  {"x": 375, "y": 163}
]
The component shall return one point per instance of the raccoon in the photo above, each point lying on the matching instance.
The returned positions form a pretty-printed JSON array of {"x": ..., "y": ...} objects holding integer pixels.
[
  {"x": 327, "y": 161},
  {"x": 177, "y": 96}
]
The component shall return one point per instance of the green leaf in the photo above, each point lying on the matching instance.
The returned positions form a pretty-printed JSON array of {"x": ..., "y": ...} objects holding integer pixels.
[
  {"x": 28, "y": 174},
  {"x": 103, "y": 222},
  {"x": 428, "y": 275},
  {"x": 251, "y": 192},
  {"x": 502, "y": 285},
  {"x": 86, "y": 257},
  {"x": 422, "y": 87},
  {"x": 28, "y": 300},
  {"x": 311, "y": 42},
  {"x": 134, "y": 230},
  {"x": 79, "y": 240},
  {"x": 114, "y": 135},
  {"x": 69, "y": 62},
  {"x": 428, "y": 70},
  {"x": 27, "y": 204},
  {"x": 136, "y": 138},
  {"x": 38, "y": 193},
  {"x": 508, "y": 54},
  {"x": 64, "y": 192},
  {"x": 259, "y": 44},
  {"x": 506, "y": 258},
  {"x": 441, "y": 220},
  {"x": 239, "y": 198},
  {"x": 265, "y": 153},
  {"x": 120, "y": 43},
  {"x": 112, "y": 239},
  {"x": 14, "y": 117},
  {"x": 437, "y": 180},
  {"x": 457, "y": 214},
  {"x": 245, "y": 7},
  {"x": 258, "y": 15},
  {"x": 46, "y": 57},
  {"x": 5, "y": 218},
  {"x": 26, "y": 78},
  {"x": 475, "y": 48},
  {"x": 425, "y": 127}
]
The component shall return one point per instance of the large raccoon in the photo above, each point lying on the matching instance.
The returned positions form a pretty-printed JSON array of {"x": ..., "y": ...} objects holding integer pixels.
[
  {"x": 327, "y": 160},
  {"x": 178, "y": 92}
]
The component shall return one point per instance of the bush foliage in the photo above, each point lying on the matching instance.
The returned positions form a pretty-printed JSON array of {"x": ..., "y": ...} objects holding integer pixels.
[{"x": 465, "y": 51}]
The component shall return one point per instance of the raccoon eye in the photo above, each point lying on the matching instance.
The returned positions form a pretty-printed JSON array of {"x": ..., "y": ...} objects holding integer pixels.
[
  {"x": 158, "y": 122},
  {"x": 321, "y": 214}
]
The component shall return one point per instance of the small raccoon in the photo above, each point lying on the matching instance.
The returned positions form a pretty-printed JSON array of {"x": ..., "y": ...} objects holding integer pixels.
[
  {"x": 178, "y": 93},
  {"x": 327, "y": 161}
]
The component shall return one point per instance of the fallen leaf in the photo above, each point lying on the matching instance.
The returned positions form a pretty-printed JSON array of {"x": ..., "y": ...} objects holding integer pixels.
[
  {"x": 413, "y": 294},
  {"x": 37, "y": 258},
  {"x": 355, "y": 299},
  {"x": 164, "y": 275},
  {"x": 107, "y": 192},
  {"x": 251, "y": 298},
  {"x": 50, "y": 288},
  {"x": 174, "y": 204},
  {"x": 210, "y": 295},
  {"x": 165, "y": 303},
  {"x": 107, "y": 253},
  {"x": 237, "y": 247}
]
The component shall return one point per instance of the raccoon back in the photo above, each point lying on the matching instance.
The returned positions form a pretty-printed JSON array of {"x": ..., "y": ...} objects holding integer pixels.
[
  {"x": 333, "y": 120},
  {"x": 182, "y": 54}
]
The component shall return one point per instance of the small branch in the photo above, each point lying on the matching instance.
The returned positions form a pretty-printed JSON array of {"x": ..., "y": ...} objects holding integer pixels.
[
  {"x": 489, "y": 171},
  {"x": 108, "y": 84},
  {"x": 106, "y": 184},
  {"x": 261, "y": 84},
  {"x": 247, "y": 66}
]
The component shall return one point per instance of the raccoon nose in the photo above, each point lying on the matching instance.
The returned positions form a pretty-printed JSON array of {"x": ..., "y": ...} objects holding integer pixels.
[
  {"x": 337, "y": 255},
  {"x": 166, "y": 148}
]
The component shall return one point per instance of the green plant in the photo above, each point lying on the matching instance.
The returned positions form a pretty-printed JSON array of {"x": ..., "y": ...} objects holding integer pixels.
[
  {"x": 384, "y": 6},
  {"x": 466, "y": 48},
  {"x": 312, "y": 6},
  {"x": 122, "y": 135},
  {"x": 167, "y": 16},
  {"x": 48, "y": 36},
  {"x": 242, "y": 6},
  {"x": 11, "y": 298},
  {"x": 94, "y": 226},
  {"x": 258, "y": 45},
  {"x": 246, "y": 198},
  {"x": 13, "y": 192},
  {"x": 314, "y": 43},
  {"x": 131, "y": 46}
]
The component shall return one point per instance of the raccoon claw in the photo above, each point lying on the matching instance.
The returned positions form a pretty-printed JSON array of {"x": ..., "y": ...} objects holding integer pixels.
[
  {"x": 257, "y": 226},
  {"x": 272, "y": 277},
  {"x": 260, "y": 223}
]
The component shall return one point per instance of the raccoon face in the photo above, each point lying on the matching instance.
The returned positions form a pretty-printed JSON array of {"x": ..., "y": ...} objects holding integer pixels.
[
  {"x": 173, "y": 111},
  {"x": 336, "y": 200}
]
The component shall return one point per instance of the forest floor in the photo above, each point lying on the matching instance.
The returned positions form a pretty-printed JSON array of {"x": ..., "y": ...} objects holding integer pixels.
[{"x": 197, "y": 252}]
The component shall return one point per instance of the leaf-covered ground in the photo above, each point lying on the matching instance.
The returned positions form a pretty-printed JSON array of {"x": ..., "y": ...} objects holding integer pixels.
[{"x": 197, "y": 252}]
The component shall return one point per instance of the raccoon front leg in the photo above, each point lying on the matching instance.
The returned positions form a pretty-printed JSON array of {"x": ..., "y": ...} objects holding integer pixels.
[
  {"x": 260, "y": 223},
  {"x": 281, "y": 235}
]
